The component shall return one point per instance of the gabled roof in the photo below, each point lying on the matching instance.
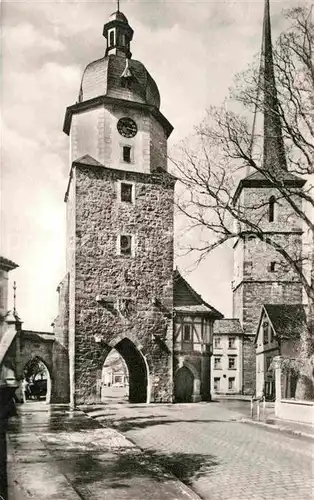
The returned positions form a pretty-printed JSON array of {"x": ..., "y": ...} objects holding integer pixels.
[
  {"x": 187, "y": 300},
  {"x": 6, "y": 264},
  {"x": 228, "y": 326},
  {"x": 287, "y": 320},
  {"x": 88, "y": 160},
  {"x": 37, "y": 336},
  {"x": 85, "y": 160}
]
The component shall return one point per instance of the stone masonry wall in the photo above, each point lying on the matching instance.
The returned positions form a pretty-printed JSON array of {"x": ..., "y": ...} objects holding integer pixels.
[
  {"x": 144, "y": 280},
  {"x": 60, "y": 357},
  {"x": 61, "y": 323},
  {"x": 255, "y": 283},
  {"x": 70, "y": 265}
]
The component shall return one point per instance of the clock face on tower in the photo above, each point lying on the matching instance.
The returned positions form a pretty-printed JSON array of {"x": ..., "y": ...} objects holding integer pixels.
[{"x": 127, "y": 127}]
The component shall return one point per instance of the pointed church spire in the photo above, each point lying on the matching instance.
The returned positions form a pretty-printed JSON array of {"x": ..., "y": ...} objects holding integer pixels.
[{"x": 274, "y": 158}]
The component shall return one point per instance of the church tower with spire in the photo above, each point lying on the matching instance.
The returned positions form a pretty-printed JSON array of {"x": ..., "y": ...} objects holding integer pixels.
[
  {"x": 261, "y": 275},
  {"x": 118, "y": 292}
]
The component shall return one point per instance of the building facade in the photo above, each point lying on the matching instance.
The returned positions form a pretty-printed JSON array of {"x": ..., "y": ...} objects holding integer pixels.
[
  {"x": 194, "y": 322},
  {"x": 227, "y": 358},
  {"x": 278, "y": 334}
]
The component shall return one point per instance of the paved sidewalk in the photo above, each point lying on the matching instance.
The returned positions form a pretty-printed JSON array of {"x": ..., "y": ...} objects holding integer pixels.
[
  {"x": 289, "y": 426},
  {"x": 59, "y": 454}
]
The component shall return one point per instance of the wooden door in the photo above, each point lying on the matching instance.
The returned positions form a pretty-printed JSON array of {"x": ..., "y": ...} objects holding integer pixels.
[{"x": 184, "y": 381}]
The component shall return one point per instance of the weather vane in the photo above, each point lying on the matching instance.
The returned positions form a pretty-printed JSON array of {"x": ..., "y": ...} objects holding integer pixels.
[{"x": 14, "y": 297}]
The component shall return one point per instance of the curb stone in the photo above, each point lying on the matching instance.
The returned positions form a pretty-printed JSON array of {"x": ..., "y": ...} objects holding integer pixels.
[
  {"x": 148, "y": 460},
  {"x": 277, "y": 428}
]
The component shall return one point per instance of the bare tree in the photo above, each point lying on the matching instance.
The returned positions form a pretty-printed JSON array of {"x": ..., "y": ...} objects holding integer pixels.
[{"x": 213, "y": 164}]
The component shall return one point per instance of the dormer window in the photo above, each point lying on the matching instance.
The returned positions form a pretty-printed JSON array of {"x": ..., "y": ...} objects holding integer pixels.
[{"x": 271, "y": 209}]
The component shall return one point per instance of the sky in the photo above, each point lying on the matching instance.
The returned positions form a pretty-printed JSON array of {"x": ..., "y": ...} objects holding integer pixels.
[{"x": 191, "y": 48}]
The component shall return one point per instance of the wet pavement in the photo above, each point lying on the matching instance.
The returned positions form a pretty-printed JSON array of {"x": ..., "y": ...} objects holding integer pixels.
[
  {"x": 134, "y": 452},
  {"x": 61, "y": 454},
  {"x": 209, "y": 448}
]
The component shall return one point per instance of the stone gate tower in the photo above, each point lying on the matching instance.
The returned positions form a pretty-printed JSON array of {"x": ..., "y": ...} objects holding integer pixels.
[
  {"x": 261, "y": 275},
  {"x": 119, "y": 283}
]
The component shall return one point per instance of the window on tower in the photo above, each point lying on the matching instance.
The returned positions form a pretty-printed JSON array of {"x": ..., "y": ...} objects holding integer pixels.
[
  {"x": 111, "y": 38},
  {"x": 126, "y": 192},
  {"x": 127, "y": 154},
  {"x": 122, "y": 39},
  {"x": 125, "y": 244},
  {"x": 272, "y": 267},
  {"x": 271, "y": 209}
]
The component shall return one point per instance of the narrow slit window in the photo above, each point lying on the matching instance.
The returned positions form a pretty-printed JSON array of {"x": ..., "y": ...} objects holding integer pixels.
[
  {"x": 272, "y": 267},
  {"x": 271, "y": 209},
  {"x": 127, "y": 154},
  {"x": 126, "y": 192},
  {"x": 123, "y": 40},
  {"x": 111, "y": 38}
]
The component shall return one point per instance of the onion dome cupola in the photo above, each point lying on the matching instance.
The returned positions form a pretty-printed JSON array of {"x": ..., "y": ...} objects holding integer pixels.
[
  {"x": 115, "y": 80},
  {"x": 118, "y": 34},
  {"x": 116, "y": 75}
]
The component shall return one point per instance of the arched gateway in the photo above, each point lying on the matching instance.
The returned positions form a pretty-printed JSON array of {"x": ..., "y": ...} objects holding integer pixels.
[{"x": 137, "y": 371}]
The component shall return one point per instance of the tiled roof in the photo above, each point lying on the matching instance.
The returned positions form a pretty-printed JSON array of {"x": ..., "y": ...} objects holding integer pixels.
[
  {"x": 88, "y": 160},
  {"x": 38, "y": 335},
  {"x": 7, "y": 264},
  {"x": 201, "y": 308},
  {"x": 187, "y": 300},
  {"x": 288, "y": 320},
  {"x": 227, "y": 326},
  {"x": 282, "y": 175},
  {"x": 259, "y": 179}
]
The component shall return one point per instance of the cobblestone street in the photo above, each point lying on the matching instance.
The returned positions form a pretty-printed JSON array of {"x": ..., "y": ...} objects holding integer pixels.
[{"x": 219, "y": 457}]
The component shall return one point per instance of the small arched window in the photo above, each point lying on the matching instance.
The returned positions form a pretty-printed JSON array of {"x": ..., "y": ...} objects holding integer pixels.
[
  {"x": 123, "y": 40},
  {"x": 111, "y": 38},
  {"x": 271, "y": 209}
]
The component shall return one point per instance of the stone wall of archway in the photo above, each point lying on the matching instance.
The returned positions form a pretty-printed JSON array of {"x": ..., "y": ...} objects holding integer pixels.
[{"x": 138, "y": 368}]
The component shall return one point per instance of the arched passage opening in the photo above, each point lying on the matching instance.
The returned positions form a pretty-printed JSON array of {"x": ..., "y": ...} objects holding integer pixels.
[
  {"x": 184, "y": 385},
  {"x": 124, "y": 374},
  {"x": 36, "y": 384}
]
